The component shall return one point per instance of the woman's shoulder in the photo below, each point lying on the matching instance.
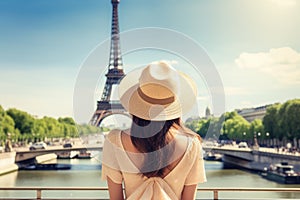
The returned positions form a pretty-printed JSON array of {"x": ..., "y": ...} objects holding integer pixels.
[
  {"x": 113, "y": 133},
  {"x": 194, "y": 142},
  {"x": 194, "y": 137},
  {"x": 113, "y": 136}
]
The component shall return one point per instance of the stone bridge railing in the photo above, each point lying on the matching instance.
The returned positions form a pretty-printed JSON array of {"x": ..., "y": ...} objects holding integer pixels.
[{"x": 254, "y": 159}]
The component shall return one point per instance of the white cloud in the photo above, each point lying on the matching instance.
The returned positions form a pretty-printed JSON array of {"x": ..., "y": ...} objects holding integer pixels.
[{"x": 282, "y": 63}]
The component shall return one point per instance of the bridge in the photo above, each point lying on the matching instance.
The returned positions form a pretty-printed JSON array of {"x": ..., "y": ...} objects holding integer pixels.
[
  {"x": 254, "y": 159},
  {"x": 27, "y": 155},
  {"x": 248, "y": 158}
]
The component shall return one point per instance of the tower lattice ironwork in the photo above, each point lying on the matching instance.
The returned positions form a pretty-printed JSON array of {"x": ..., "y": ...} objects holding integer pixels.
[{"x": 106, "y": 106}]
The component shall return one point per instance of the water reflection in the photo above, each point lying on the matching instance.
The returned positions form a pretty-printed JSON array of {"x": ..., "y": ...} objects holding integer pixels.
[
  {"x": 218, "y": 177},
  {"x": 9, "y": 180},
  {"x": 87, "y": 173}
]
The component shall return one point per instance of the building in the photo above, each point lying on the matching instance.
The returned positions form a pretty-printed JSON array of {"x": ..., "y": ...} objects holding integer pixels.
[
  {"x": 251, "y": 114},
  {"x": 207, "y": 113}
]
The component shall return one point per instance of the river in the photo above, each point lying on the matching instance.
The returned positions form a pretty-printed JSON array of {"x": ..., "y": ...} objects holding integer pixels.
[{"x": 87, "y": 173}]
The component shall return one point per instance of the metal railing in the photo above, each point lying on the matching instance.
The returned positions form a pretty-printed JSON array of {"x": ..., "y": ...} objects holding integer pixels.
[{"x": 215, "y": 192}]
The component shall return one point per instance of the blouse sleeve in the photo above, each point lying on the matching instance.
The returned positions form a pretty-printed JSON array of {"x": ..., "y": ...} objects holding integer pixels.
[
  {"x": 110, "y": 166},
  {"x": 197, "y": 172}
]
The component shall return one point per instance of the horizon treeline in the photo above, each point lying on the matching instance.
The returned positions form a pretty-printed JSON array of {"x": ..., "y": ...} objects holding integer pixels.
[
  {"x": 280, "y": 125},
  {"x": 20, "y": 126}
]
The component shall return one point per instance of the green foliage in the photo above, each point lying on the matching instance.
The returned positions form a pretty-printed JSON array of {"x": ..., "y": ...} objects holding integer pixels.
[
  {"x": 193, "y": 124},
  {"x": 289, "y": 114},
  {"x": 7, "y": 125},
  {"x": 2, "y": 111},
  {"x": 271, "y": 121},
  {"x": 23, "y": 127},
  {"x": 67, "y": 120},
  {"x": 40, "y": 126},
  {"x": 283, "y": 120},
  {"x": 229, "y": 126},
  {"x": 205, "y": 127},
  {"x": 258, "y": 128},
  {"x": 235, "y": 126},
  {"x": 23, "y": 121},
  {"x": 85, "y": 129},
  {"x": 292, "y": 119},
  {"x": 53, "y": 127}
]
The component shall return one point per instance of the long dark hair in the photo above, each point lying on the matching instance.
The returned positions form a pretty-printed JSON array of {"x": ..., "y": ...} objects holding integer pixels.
[{"x": 152, "y": 136}]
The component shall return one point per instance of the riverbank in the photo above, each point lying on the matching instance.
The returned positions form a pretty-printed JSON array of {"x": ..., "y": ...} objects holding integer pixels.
[
  {"x": 7, "y": 163},
  {"x": 8, "y": 169}
]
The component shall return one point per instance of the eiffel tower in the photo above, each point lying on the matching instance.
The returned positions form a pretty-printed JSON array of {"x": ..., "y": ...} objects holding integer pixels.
[{"x": 106, "y": 106}]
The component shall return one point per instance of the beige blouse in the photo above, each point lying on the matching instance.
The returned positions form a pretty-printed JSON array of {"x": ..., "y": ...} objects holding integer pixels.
[{"x": 118, "y": 166}]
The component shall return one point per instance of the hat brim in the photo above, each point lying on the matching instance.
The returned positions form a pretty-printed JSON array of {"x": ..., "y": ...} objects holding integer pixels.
[{"x": 135, "y": 105}]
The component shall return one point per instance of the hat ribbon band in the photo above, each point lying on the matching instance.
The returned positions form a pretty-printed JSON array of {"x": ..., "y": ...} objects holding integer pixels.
[{"x": 153, "y": 100}]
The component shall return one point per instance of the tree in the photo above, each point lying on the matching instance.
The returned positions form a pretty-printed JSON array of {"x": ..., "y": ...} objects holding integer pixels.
[
  {"x": 291, "y": 119},
  {"x": 206, "y": 128},
  {"x": 8, "y": 125},
  {"x": 7, "y": 128},
  {"x": 40, "y": 129},
  {"x": 23, "y": 121},
  {"x": 193, "y": 124},
  {"x": 203, "y": 127},
  {"x": 67, "y": 120},
  {"x": 257, "y": 127},
  {"x": 85, "y": 129},
  {"x": 53, "y": 128},
  {"x": 215, "y": 127},
  {"x": 271, "y": 120},
  {"x": 234, "y": 126}
]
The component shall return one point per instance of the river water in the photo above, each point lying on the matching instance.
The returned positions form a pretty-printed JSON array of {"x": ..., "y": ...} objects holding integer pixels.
[{"x": 87, "y": 173}]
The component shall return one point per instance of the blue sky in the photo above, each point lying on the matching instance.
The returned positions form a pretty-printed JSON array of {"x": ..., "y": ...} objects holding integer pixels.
[{"x": 254, "y": 44}]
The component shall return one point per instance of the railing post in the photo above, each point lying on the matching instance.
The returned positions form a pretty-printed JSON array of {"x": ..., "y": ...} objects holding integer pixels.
[
  {"x": 38, "y": 194},
  {"x": 216, "y": 195}
]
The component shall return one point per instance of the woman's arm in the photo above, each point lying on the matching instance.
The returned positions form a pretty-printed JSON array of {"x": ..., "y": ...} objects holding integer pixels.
[
  {"x": 189, "y": 192},
  {"x": 115, "y": 190}
]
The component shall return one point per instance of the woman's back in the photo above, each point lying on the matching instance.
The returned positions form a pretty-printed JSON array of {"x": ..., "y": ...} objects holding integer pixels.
[
  {"x": 124, "y": 159},
  {"x": 158, "y": 158}
]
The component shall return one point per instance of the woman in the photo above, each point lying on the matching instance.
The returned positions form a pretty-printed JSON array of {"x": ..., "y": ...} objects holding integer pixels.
[{"x": 157, "y": 158}]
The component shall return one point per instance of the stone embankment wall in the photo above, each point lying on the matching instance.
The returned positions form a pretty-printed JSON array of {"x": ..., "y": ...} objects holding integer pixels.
[{"x": 7, "y": 162}]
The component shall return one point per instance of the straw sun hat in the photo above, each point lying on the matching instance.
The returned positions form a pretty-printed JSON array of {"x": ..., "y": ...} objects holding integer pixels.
[{"x": 157, "y": 92}]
